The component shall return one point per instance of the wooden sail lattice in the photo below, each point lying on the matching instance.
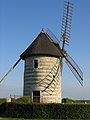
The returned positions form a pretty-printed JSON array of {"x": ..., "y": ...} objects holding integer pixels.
[
  {"x": 49, "y": 82},
  {"x": 69, "y": 61},
  {"x": 66, "y": 22},
  {"x": 74, "y": 68}
]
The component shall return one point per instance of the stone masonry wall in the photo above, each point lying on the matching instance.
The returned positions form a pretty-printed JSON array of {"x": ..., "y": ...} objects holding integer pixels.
[{"x": 46, "y": 78}]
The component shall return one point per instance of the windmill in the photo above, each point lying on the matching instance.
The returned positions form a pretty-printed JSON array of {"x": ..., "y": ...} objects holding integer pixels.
[{"x": 43, "y": 64}]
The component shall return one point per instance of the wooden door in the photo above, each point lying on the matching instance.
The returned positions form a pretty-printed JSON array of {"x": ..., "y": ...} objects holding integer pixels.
[{"x": 36, "y": 96}]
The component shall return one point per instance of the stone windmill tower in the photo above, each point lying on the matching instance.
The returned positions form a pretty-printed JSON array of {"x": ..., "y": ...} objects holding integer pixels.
[
  {"x": 44, "y": 62},
  {"x": 42, "y": 73}
]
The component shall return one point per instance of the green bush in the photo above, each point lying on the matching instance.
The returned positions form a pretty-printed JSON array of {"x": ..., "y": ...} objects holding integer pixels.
[
  {"x": 53, "y": 111},
  {"x": 2, "y": 100},
  {"x": 2, "y": 108},
  {"x": 70, "y": 101},
  {"x": 22, "y": 100}
]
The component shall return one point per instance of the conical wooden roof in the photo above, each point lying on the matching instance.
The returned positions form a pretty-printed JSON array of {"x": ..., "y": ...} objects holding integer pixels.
[{"x": 42, "y": 45}]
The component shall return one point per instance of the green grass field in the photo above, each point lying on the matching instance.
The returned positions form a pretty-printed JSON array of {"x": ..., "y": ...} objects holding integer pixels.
[
  {"x": 19, "y": 119},
  {"x": 26, "y": 119},
  {"x": 34, "y": 119}
]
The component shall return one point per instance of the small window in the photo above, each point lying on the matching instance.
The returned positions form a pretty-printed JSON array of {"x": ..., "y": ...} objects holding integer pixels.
[{"x": 35, "y": 63}]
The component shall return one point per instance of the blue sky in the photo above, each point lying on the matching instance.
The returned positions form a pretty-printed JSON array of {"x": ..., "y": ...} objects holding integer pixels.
[{"x": 20, "y": 23}]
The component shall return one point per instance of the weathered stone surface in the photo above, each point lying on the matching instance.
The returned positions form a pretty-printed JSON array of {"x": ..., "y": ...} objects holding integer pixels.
[{"x": 35, "y": 79}]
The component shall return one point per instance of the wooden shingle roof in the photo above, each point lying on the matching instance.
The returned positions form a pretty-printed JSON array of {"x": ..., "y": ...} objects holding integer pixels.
[{"x": 42, "y": 45}]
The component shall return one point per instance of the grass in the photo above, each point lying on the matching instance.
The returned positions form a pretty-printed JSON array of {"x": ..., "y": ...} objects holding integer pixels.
[
  {"x": 34, "y": 119},
  {"x": 18, "y": 119},
  {"x": 26, "y": 119}
]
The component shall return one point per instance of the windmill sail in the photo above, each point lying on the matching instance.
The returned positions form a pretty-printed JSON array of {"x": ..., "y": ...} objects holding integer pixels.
[
  {"x": 51, "y": 35},
  {"x": 50, "y": 81},
  {"x": 65, "y": 37},
  {"x": 10, "y": 70},
  {"x": 66, "y": 27},
  {"x": 74, "y": 68},
  {"x": 66, "y": 23},
  {"x": 50, "y": 87}
]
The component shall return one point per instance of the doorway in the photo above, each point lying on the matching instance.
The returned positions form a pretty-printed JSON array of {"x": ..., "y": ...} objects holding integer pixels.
[{"x": 36, "y": 96}]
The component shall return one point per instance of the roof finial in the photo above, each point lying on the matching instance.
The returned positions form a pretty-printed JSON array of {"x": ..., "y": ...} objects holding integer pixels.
[{"x": 42, "y": 30}]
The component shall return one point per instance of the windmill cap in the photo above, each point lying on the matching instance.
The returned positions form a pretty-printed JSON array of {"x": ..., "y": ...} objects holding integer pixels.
[{"x": 42, "y": 45}]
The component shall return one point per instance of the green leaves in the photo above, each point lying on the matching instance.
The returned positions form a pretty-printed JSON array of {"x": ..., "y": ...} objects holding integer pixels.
[{"x": 46, "y": 111}]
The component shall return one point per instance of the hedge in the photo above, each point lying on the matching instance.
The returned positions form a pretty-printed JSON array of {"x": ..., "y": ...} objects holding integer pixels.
[{"x": 45, "y": 111}]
